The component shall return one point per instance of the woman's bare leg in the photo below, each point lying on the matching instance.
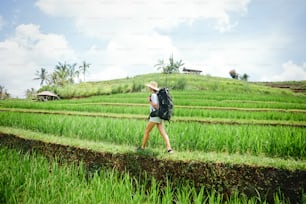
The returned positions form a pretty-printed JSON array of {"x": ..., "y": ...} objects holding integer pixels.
[
  {"x": 146, "y": 134},
  {"x": 162, "y": 131}
]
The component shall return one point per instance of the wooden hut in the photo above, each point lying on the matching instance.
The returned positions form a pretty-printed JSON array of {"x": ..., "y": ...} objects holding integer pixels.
[
  {"x": 191, "y": 71},
  {"x": 46, "y": 96}
]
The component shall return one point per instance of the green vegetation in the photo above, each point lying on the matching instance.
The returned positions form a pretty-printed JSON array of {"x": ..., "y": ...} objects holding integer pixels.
[
  {"x": 244, "y": 139},
  {"x": 295, "y": 86},
  {"x": 260, "y": 121},
  {"x": 63, "y": 74},
  {"x": 158, "y": 152},
  {"x": 172, "y": 67},
  {"x": 218, "y": 120},
  {"x": 3, "y": 93},
  {"x": 173, "y": 81},
  {"x": 37, "y": 180}
]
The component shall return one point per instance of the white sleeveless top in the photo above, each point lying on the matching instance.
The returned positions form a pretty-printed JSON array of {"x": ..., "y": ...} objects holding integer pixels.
[{"x": 154, "y": 99}]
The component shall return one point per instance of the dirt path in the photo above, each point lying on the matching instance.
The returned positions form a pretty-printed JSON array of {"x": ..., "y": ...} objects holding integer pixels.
[{"x": 223, "y": 177}]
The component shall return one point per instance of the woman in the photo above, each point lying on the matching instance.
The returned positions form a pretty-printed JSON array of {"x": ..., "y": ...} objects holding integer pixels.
[{"x": 153, "y": 101}]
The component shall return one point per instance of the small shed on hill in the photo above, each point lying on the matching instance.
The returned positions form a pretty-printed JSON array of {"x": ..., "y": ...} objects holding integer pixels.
[
  {"x": 191, "y": 71},
  {"x": 46, "y": 96}
]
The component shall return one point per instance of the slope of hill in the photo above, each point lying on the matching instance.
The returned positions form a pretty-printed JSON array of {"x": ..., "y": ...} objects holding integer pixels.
[
  {"x": 173, "y": 81},
  {"x": 295, "y": 86},
  {"x": 228, "y": 135}
]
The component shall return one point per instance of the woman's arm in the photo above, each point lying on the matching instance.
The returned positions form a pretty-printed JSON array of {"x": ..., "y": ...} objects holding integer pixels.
[{"x": 153, "y": 101}]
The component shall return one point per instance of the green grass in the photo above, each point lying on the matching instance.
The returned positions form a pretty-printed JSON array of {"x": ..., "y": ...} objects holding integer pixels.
[
  {"x": 244, "y": 139},
  {"x": 215, "y": 120},
  {"x": 159, "y": 152},
  {"x": 34, "y": 179},
  {"x": 180, "y": 111},
  {"x": 174, "y": 81}
]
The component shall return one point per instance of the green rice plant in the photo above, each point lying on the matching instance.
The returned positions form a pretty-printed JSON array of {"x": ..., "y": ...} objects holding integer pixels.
[
  {"x": 180, "y": 111},
  {"x": 279, "y": 141},
  {"x": 33, "y": 179},
  {"x": 233, "y": 114},
  {"x": 239, "y": 103},
  {"x": 221, "y": 95},
  {"x": 194, "y": 98}
]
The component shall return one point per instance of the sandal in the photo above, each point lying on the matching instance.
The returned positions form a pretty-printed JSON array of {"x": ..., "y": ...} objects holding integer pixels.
[{"x": 170, "y": 151}]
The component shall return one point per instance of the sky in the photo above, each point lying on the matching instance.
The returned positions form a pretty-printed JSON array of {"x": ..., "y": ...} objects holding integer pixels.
[{"x": 265, "y": 39}]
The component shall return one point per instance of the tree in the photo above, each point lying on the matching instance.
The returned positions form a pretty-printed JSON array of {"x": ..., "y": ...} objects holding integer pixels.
[
  {"x": 160, "y": 65},
  {"x": 234, "y": 74},
  {"x": 171, "y": 67},
  {"x": 244, "y": 77},
  {"x": 84, "y": 68},
  {"x": 52, "y": 79},
  {"x": 30, "y": 93},
  {"x": 42, "y": 75},
  {"x": 72, "y": 72},
  {"x": 62, "y": 73},
  {"x": 3, "y": 93}
]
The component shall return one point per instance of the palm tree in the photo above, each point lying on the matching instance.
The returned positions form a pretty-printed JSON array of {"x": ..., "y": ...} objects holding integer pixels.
[
  {"x": 160, "y": 65},
  {"x": 72, "y": 72},
  {"x": 173, "y": 66},
  {"x": 62, "y": 73},
  {"x": 52, "y": 79},
  {"x": 84, "y": 68},
  {"x": 41, "y": 75}
]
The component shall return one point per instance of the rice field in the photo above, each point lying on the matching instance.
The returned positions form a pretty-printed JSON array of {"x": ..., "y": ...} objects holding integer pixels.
[
  {"x": 38, "y": 180},
  {"x": 248, "y": 124}
]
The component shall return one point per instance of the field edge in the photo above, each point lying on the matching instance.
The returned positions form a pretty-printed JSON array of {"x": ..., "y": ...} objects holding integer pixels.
[{"x": 249, "y": 180}]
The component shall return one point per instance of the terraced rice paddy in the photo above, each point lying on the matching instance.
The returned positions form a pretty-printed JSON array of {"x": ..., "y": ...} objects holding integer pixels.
[{"x": 243, "y": 128}]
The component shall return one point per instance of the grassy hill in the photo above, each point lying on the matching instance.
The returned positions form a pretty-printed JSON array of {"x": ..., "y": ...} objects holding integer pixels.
[
  {"x": 228, "y": 135},
  {"x": 173, "y": 81},
  {"x": 295, "y": 86}
]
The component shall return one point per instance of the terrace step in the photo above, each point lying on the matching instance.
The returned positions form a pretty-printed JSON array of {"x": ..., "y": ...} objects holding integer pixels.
[
  {"x": 176, "y": 119},
  {"x": 223, "y": 177}
]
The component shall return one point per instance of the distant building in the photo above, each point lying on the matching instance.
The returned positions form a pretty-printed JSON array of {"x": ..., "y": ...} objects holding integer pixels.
[
  {"x": 191, "y": 71},
  {"x": 46, "y": 96}
]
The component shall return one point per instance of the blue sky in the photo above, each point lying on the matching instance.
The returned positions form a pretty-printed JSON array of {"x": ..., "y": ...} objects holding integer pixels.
[{"x": 265, "y": 39}]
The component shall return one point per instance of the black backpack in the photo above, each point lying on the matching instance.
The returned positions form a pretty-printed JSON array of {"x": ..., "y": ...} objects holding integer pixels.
[{"x": 165, "y": 108}]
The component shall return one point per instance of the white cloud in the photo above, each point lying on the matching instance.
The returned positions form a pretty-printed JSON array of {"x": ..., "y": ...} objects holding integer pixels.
[
  {"x": 27, "y": 51},
  {"x": 125, "y": 59},
  {"x": 97, "y": 17},
  {"x": 130, "y": 28},
  {"x": 290, "y": 72}
]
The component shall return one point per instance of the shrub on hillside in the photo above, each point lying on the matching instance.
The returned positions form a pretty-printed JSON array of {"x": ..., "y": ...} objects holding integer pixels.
[
  {"x": 180, "y": 84},
  {"x": 116, "y": 89},
  {"x": 136, "y": 87}
]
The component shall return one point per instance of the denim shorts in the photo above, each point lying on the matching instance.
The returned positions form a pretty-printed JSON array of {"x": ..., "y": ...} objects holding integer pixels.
[{"x": 155, "y": 119}]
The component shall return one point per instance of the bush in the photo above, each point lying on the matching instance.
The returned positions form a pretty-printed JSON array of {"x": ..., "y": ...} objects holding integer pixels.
[
  {"x": 116, "y": 89},
  {"x": 136, "y": 87},
  {"x": 180, "y": 84}
]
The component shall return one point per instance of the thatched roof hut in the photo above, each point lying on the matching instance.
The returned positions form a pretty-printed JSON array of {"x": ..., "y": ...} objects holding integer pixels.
[{"x": 46, "y": 96}]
